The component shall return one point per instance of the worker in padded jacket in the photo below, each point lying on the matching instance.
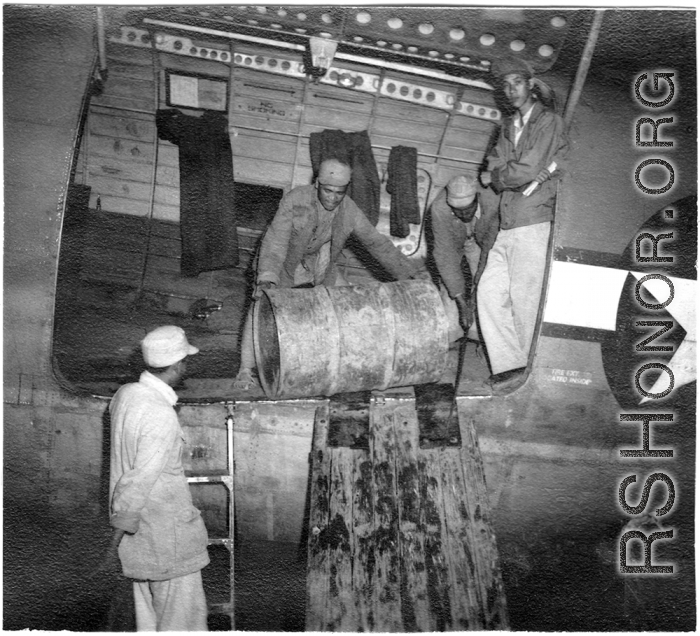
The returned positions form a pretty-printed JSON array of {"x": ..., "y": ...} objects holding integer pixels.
[
  {"x": 302, "y": 244},
  {"x": 456, "y": 220},
  {"x": 159, "y": 535},
  {"x": 530, "y": 150}
]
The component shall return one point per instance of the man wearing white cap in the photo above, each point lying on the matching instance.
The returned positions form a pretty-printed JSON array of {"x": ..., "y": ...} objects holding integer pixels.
[
  {"x": 523, "y": 169},
  {"x": 304, "y": 240},
  {"x": 456, "y": 218},
  {"x": 160, "y": 536}
]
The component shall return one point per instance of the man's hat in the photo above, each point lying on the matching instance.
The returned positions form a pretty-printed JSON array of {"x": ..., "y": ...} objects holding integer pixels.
[
  {"x": 461, "y": 191},
  {"x": 165, "y": 346},
  {"x": 506, "y": 66},
  {"x": 334, "y": 173}
]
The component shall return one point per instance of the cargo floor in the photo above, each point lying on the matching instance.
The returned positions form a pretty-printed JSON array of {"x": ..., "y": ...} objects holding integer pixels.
[{"x": 99, "y": 325}]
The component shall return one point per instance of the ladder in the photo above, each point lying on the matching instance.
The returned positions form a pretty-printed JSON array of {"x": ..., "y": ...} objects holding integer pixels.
[
  {"x": 400, "y": 537},
  {"x": 226, "y": 479}
]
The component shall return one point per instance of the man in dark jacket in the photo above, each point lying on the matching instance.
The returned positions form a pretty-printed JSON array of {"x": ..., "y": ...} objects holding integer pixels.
[
  {"x": 304, "y": 240},
  {"x": 456, "y": 218},
  {"x": 530, "y": 148}
]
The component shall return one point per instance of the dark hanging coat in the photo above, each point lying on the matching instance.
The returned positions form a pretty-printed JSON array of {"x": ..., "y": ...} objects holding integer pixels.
[
  {"x": 207, "y": 214},
  {"x": 355, "y": 150},
  {"x": 402, "y": 185}
]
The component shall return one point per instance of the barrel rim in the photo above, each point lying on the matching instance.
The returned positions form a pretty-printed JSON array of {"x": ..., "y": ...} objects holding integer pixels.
[{"x": 270, "y": 391}]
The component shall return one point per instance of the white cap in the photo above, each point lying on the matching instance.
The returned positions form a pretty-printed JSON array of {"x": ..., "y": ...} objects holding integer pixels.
[
  {"x": 461, "y": 191},
  {"x": 334, "y": 173},
  {"x": 165, "y": 346}
]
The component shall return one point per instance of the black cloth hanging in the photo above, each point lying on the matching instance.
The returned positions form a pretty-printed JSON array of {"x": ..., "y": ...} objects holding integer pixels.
[
  {"x": 402, "y": 185},
  {"x": 208, "y": 217},
  {"x": 355, "y": 150}
]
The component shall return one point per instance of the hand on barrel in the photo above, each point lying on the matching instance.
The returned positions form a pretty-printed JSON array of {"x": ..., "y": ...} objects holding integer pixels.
[{"x": 262, "y": 287}]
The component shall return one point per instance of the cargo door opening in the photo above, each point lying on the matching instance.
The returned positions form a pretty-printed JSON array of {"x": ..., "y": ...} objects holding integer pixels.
[{"x": 104, "y": 307}]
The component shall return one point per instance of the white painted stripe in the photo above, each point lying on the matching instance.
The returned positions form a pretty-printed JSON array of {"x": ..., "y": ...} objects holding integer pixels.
[
  {"x": 553, "y": 452},
  {"x": 683, "y": 305},
  {"x": 584, "y": 295}
]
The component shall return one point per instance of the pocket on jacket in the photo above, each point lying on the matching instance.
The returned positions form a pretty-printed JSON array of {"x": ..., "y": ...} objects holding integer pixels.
[{"x": 191, "y": 537}]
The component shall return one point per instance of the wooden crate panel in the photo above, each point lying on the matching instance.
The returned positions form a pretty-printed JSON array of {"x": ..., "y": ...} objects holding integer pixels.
[
  {"x": 144, "y": 104},
  {"x": 302, "y": 175},
  {"x": 168, "y": 175},
  {"x": 168, "y": 154},
  {"x": 167, "y": 213},
  {"x": 117, "y": 169},
  {"x": 389, "y": 142},
  {"x": 263, "y": 109},
  {"x": 405, "y": 112},
  {"x": 407, "y": 130},
  {"x": 120, "y": 205},
  {"x": 167, "y": 196},
  {"x": 130, "y": 88},
  {"x": 334, "y": 119},
  {"x": 264, "y": 86},
  {"x": 263, "y": 172},
  {"x": 106, "y": 148},
  {"x": 464, "y": 122},
  {"x": 253, "y": 146},
  {"x": 138, "y": 126},
  {"x": 466, "y": 139},
  {"x": 117, "y": 186},
  {"x": 339, "y": 98},
  {"x": 129, "y": 54},
  {"x": 448, "y": 169},
  {"x": 463, "y": 154},
  {"x": 125, "y": 69},
  {"x": 241, "y": 122}
]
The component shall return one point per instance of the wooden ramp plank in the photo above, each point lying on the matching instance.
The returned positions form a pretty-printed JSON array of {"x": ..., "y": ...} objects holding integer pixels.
[
  {"x": 400, "y": 536},
  {"x": 343, "y": 615},
  {"x": 493, "y": 599},
  {"x": 459, "y": 545},
  {"x": 362, "y": 539},
  {"x": 387, "y": 597},
  {"x": 433, "y": 521},
  {"x": 318, "y": 569},
  {"x": 415, "y": 608}
]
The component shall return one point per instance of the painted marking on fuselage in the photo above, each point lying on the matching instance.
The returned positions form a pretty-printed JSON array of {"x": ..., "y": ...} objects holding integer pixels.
[
  {"x": 570, "y": 377},
  {"x": 583, "y": 300}
]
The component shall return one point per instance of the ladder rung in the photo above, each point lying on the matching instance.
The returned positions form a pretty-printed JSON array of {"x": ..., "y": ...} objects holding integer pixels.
[
  {"x": 208, "y": 479},
  {"x": 220, "y": 608}
]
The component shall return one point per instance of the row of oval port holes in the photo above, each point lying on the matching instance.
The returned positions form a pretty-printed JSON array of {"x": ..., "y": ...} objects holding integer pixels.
[
  {"x": 425, "y": 28},
  {"x": 345, "y": 79},
  {"x": 545, "y": 50},
  {"x": 364, "y": 17}
]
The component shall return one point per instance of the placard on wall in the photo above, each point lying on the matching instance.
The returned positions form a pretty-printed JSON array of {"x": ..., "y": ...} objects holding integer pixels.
[{"x": 191, "y": 90}]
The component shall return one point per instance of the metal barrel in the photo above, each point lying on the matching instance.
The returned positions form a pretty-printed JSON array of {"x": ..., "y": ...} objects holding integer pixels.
[{"x": 328, "y": 340}]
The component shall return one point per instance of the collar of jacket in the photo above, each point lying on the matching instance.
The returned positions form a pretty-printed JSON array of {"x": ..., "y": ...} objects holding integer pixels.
[
  {"x": 537, "y": 111},
  {"x": 152, "y": 382}
]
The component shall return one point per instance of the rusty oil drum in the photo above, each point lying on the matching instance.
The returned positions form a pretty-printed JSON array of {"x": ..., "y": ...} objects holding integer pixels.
[{"x": 327, "y": 340}]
